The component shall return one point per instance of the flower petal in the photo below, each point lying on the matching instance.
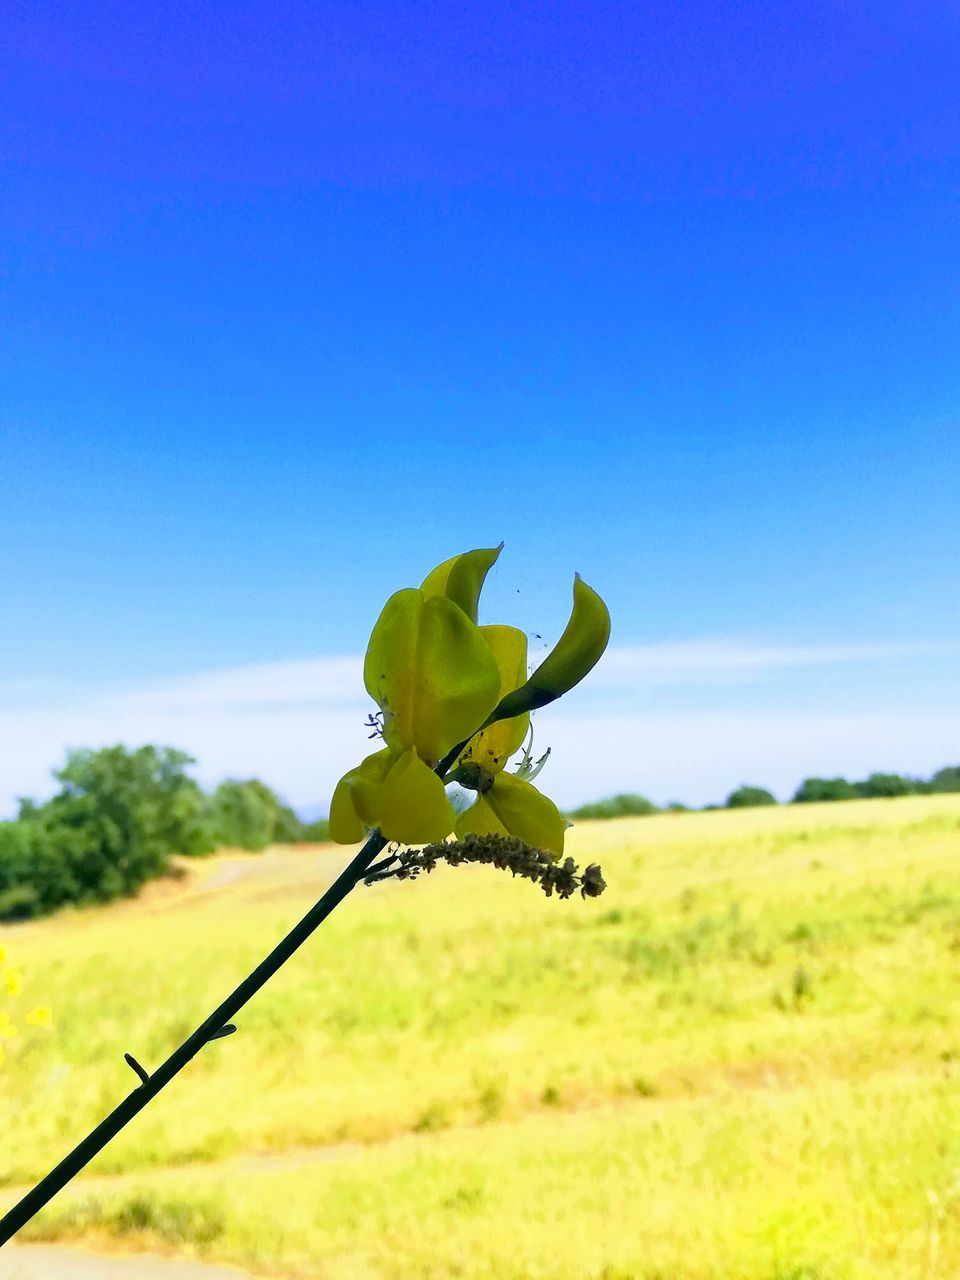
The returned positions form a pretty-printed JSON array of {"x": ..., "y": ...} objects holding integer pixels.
[
  {"x": 526, "y": 812},
  {"x": 390, "y": 663},
  {"x": 366, "y": 782},
  {"x": 480, "y": 820},
  {"x": 346, "y": 826},
  {"x": 461, "y": 577},
  {"x": 575, "y": 654},
  {"x": 356, "y": 798},
  {"x": 432, "y": 673},
  {"x": 494, "y": 746},
  {"x": 413, "y": 803}
]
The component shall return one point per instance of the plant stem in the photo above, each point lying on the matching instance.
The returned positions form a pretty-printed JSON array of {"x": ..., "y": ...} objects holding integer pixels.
[{"x": 108, "y": 1128}]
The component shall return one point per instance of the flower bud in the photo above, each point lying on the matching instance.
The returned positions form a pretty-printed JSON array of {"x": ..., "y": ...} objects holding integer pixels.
[
  {"x": 461, "y": 578},
  {"x": 575, "y": 654}
]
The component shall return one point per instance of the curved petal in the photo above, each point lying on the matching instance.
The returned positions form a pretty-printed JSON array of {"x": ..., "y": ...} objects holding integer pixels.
[
  {"x": 414, "y": 807},
  {"x": 494, "y": 746},
  {"x": 480, "y": 820},
  {"x": 366, "y": 782},
  {"x": 390, "y": 662},
  {"x": 346, "y": 825},
  {"x": 432, "y": 673},
  {"x": 356, "y": 798},
  {"x": 461, "y": 578},
  {"x": 575, "y": 654},
  {"x": 526, "y": 812}
]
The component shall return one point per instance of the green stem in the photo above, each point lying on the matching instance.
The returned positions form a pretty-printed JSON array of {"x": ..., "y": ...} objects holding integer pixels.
[{"x": 107, "y": 1129}]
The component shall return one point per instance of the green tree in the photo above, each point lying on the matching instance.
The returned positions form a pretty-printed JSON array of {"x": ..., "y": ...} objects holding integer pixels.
[
  {"x": 316, "y": 832},
  {"x": 749, "y": 797},
  {"x": 813, "y": 790},
  {"x": 117, "y": 817},
  {"x": 947, "y": 779},
  {"x": 620, "y": 806},
  {"x": 249, "y": 815},
  {"x": 886, "y": 784}
]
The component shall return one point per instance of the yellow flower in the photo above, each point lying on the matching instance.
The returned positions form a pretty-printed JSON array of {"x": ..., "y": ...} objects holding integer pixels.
[
  {"x": 433, "y": 676},
  {"x": 440, "y": 681},
  {"x": 7, "y": 1029},
  {"x": 506, "y": 804},
  {"x": 39, "y": 1017},
  {"x": 14, "y": 980},
  {"x": 575, "y": 654}
]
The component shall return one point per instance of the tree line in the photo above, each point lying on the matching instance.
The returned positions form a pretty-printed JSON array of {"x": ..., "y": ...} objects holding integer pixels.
[
  {"x": 813, "y": 790},
  {"x": 117, "y": 817}
]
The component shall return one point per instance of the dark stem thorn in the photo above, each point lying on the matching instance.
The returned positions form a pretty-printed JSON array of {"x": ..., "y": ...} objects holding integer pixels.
[
  {"x": 227, "y": 1030},
  {"x": 135, "y": 1066}
]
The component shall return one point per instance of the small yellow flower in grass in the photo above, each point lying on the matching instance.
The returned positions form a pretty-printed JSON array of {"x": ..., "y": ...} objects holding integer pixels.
[
  {"x": 40, "y": 1017},
  {"x": 7, "y": 1029},
  {"x": 14, "y": 980}
]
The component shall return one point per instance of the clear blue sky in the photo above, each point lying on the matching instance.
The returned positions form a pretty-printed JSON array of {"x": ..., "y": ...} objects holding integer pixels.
[{"x": 297, "y": 299}]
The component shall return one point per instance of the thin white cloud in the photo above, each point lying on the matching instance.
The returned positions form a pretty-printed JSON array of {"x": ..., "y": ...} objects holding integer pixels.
[
  {"x": 299, "y": 724},
  {"x": 698, "y": 661},
  {"x": 338, "y": 681},
  {"x": 701, "y": 758},
  {"x": 328, "y": 681}
]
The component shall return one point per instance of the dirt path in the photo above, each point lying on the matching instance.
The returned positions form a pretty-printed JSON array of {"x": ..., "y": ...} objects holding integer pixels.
[{"x": 50, "y": 1262}]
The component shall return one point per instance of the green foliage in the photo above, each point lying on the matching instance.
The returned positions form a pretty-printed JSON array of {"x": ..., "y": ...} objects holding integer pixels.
[
  {"x": 112, "y": 825},
  {"x": 816, "y": 790},
  {"x": 947, "y": 779},
  {"x": 248, "y": 815},
  {"x": 879, "y": 785},
  {"x": 749, "y": 797},
  {"x": 118, "y": 816},
  {"x": 621, "y": 806},
  {"x": 317, "y": 832}
]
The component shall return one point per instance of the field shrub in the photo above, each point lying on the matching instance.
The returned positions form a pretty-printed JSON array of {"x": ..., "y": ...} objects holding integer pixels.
[
  {"x": 816, "y": 790},
  {"x": 114, "y": 822},
  {"x": 621, "y": 806},
  {"x": 248, "y": 815},
  {"x": 749, "y": 797},
  {"x": 888, "y": 784}
]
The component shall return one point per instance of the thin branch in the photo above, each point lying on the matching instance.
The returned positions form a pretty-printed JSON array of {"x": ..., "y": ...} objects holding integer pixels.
[{"x": 212, "y": 1028}]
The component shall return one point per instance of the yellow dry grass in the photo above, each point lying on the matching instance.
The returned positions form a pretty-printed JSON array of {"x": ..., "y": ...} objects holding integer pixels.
[{"x": 740, "y": 1062}]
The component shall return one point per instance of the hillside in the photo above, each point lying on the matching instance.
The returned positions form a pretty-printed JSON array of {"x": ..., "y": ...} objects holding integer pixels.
[{"x": 740, "y": 1062}]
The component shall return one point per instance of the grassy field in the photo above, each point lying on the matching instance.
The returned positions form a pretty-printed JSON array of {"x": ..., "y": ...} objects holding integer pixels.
[{"x": 741, "y": 1062}]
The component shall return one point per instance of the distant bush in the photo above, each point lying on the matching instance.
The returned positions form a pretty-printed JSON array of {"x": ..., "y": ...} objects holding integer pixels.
[
  {"x": 749, "y": 798},
  {"x": 33, "y": 878},
  {"x": 115, "y": 821},
  {"x": 317, "y": 832},
  {"x": 814, "y": 790},
  {"x": 117, "y": 817},
  {"x": 888, "y": 784},
  {"x": 249, "y": 815},
  {"x": 621, "y": 806},
  {"x": 947, "y": 779}
]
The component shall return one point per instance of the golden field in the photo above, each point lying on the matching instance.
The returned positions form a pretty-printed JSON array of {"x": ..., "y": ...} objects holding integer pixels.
[{"x": 740, "y": 1062}]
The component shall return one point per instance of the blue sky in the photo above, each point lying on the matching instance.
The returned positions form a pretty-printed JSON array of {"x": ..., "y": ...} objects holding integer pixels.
[{"x": 296, "y": 300}]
